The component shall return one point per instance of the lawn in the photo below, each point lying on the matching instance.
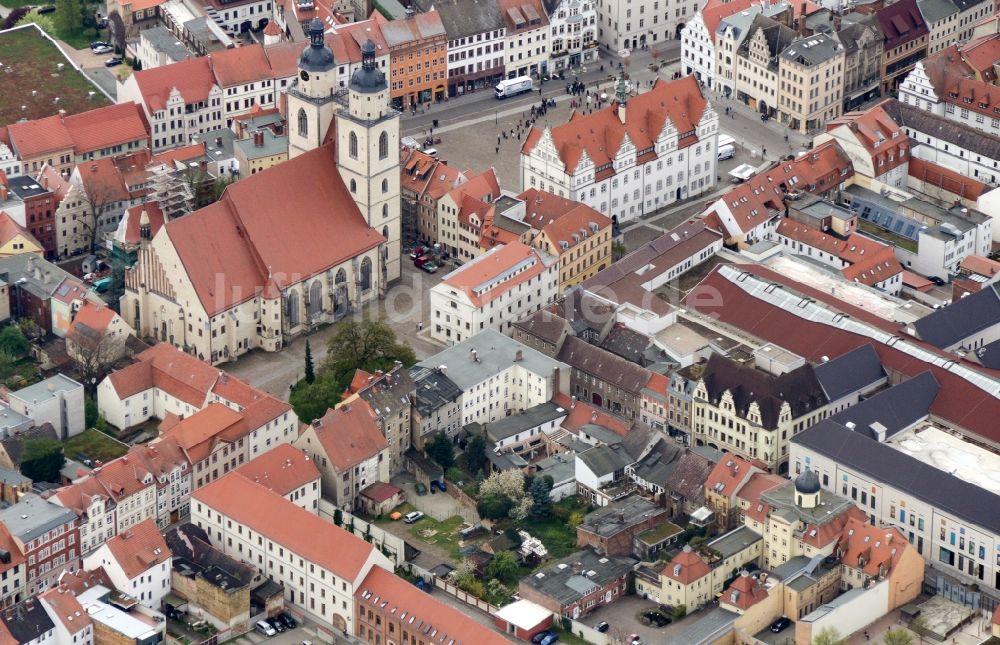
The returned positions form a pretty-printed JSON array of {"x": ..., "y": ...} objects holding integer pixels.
[
  {"x": 888, "y": 236},
  {"x": 443, "y": 534},
  {"x": 93, "y": 445},
  {"x": 30, "y": 63},
  {"x": 19, "y": 373}
]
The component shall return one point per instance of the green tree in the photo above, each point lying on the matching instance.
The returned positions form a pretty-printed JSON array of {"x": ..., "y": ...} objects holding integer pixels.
[
  {"x": 310, "y": 371},
  {"x": 68, "y": 16},
  {"x": 475, "y": 455},
  {"x": 540, "y": 489},
  {"x": 44, "y": 22},
  {"x": 575, "y": 519},
  {"x": 42, "y": 459},
  {"x": 503, "y": 567},
  {"x": 897, "y": 637},
  {"x": 441, "y": 450},
  {"x": 829, "y": 636},
  {"x": 90, "y": 411},
  {"x": 12, "y": 342},
  {"x": 369, "y": 345},
  {"x": 311, "y": 401},
  {"x": 338, "y": 517}
]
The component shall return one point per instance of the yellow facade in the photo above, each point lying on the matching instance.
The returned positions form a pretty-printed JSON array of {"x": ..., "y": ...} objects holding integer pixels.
[{"x": 20, "y": 244}]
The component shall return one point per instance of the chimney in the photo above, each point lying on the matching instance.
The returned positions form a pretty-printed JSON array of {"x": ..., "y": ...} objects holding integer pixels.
[
  {"x": 218, "y": 140},
  {"x": 836, "y": 23},
  {"x": 258, "y": 138},
  {"x": 555, "y": 380},
  {"x": 443, "y": 370},
  {"x": 518, "y": 356},
  {"x": 802, "y": 20}
]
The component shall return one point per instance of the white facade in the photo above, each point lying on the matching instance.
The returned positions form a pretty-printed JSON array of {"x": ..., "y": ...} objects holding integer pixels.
[
  {"x": 698, "y": 51},
  {"x": 954, "y": 157},
  {"x": 573, "y": 33},
  {"x": 917, "y": 90},
  {"x": 470, "y": 55},
  {"x": 634, "y": 188},
  {"x": 149, "y": 587},
  {"x": 178, "y": 121},
  {"x": 57, "y": 400},
  {"x": 237, "y": 19},
  {"x": 10, "y": 165},
  {"x": 632, "y": 25},
  {"x": 526, "y": 51},
  {"x": 456, "y": 315}
]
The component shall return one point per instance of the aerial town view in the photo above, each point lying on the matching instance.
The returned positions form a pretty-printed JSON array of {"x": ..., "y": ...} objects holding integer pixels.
[{"x": 705, "y": 352}]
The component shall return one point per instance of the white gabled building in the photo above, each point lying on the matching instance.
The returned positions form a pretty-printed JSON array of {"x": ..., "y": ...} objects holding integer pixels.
[
  {"x": 572, "y": 33},
  {"x": 665, "y": 146},
  {"x": 137, "y": 561},
  {"x": 493, "y": 291},
  {"x": 698, "y": 36}
]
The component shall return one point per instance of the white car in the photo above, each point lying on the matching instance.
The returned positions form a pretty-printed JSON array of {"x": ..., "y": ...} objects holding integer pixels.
[
  {"x": 104, "y": 49},
  {"x": 412, "y": 517}
]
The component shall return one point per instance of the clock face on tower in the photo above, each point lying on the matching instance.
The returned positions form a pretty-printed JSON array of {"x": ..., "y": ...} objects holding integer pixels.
[{"x": 304, "y": 75}]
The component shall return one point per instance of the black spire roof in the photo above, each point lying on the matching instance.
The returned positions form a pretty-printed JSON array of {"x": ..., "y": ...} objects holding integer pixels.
[
  {"x": 369, "y": 78},
  {"x": 317, "y": 57}
]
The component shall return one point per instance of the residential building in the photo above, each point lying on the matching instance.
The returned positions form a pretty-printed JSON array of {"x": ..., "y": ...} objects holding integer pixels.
[
  {"x": 729, "y": 34},
  {"x": 680, "y": 146},
  {"x": 58, "y": 400},
  {"x": 390, "y": 396},
  {"x": 94, "y": 507},
  {"x": 966, "y": 325},
  {"x": 527, "y": 38},
  {"x": 698, "y": 54},
  {"x": 15, "y": 238},
  {"x": 325, "y": 566},
  {"x": 572, "y": 231},
  {"x": 349, "y": 450},
  {"x": 573, "y": 33},
  {"x": 465, "y": 211},
  {"x": 12, "y": 446},
  {"x": 949, "y": 21},
  {"x": 476, "y": 38},
  {"x": 751, "y": 412},
  {"x": 492, "y": 291},
  {"x": 39, "y": 198},
  {"x": 384, "y": 604},
  {"x": 424, "y": 180},
  {"x": 612, "y": 529},
  {"x": 811, "y": 84},
  {"x": 345, "y": 41},
  {"x": 959, "y": 84},
  {"x": 623, "y": 28},
  {"x": 288, "y": 472},
  {"x": 260, "y": 151},
  {"x": 63, "y": 141},
  {"x": 758, "y": 64},
  {"x": 604, "y": 379},
  {"x": 137, "y": 561},
  {"x": 47, "y": 536},
  {"x": 555, "y": 587},
  {"x": 70, "y": 619},
  {"x": 877, "y": 145},
  {"x": 522, "y": 434},
  {"x": 437, "y": 405},
  {"x": 13, "y": 570},
  {"x": 731, "y": 473},
  {"x": 905, "y": 41},
  {"x": 137, "y": 15},
  {"x": 601, "y": 474},
  {"x": 112, "y": 624},
  {"x": 863, "y": 47},
  {"x": 27, "y": 622},
  {"x": 157, "y": 47},
  {"x": 499, "y": 376},
  {"x": 418, "y": 63}
]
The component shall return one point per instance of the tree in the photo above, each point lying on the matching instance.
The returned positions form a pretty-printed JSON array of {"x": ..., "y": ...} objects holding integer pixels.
[
  {"x": 42, "y": 459},
  {"x": 90, "y": 411},
  {"x": 521, "y": 509},
  {"x": 338, "y": 517},
  {"x": 94, "y": 352},
  {"x": 508, "y": 483},
  {"x": 441, "y": 450},
  {"x": 897, "y": 637},
  {"x": 310, "y": 372},
  {"x": 30, "y": 329},
  {"x": 100, "y": 193},
  {"x": 69, "y": 16},
  {"x": 311, "y": 401},
  {"x": 12, "y": 342},
  {"x": 540, "y": 490},
  {"x": 475, "y": 455},
  {"x": 44, "y": 22},
  {"x": 618, "y": 251},
  {"x": 369, "y": 345},
  {"x": 503, "y": 567},
  {"x": 116, "y": 31},
  {"x": 829, "y": 636},
  {"x": 14, "y": 17}
]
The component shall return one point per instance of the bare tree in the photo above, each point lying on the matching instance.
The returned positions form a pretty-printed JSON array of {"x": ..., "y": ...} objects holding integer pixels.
[
  {"x": 116, "y": 29},
  {"x": 98, "y": 193},
  {"x": 94, "y": 352}
]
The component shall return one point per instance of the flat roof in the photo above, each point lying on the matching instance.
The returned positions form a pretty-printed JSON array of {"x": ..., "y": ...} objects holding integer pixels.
[
  {"x": 115, "y": 619},
  {"x": 46, "y": 389},
  {"x": 524, "y": 614},
  {"x": 735, "y": 541},
  {"x": 939, "y": 448},
  {"x": 516, "y": 423}
]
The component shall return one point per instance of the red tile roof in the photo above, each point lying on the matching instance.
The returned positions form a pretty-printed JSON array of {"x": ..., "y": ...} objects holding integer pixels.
[
  {"x": 349, "y": 434},
  {"x": 560, "y": 218},
  {"x": 727, "y": 475},
  {"x": 491, "y": 265},
  {"x": 715, "y": 10},
  {"x": 686, "y": 567},
  {"x": 94, "y": 317},
  {"x": 758, "y": 484},
  {"x": 106, "y": 127},
  {"x": 581, "y": 414},
  {"x": 744, "y": 592},
  {"x": 380, "y": 492},
  {"x": 869, "y": 261},
  {"x": 880, "y": 548},
  {"x": 193, "y": 78},
  {"x": 9, "y": 229},
  {"x": 600, "y": 134},
  {"x": 67, "y": 609},
  {"x": 229, "y": 248},
  {"x": 283, "y": 469},
  {"x": 198, "y": 434},
  {"x": 980, "y": 266},
  {"x": 41, "y": 136},
  {"x": 297, "y": 530},
  {"x": 139, "y": 548},
  {"x": 254, "y": 63},
  {"x": 12, "y": 547},
  {"x": 946, "y": 179},
  {"x": 384, "y": 592},
  {"x": 957, "y": 401},
  {"x": 960, "y": 76},
  {"x": 883, "y": 139},
  {"x": 133, "y": 217},
  {"x": 53, "y": 181}
]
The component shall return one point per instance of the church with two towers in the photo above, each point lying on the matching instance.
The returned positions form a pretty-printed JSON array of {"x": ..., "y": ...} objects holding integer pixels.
[{"x": 297, "y": 245}]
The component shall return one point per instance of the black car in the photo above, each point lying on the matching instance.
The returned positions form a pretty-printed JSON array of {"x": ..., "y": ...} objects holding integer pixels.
[
  {"x": 602, "y": 626},
  {"x": 539, "y": 637},
  {"x": 287, "y": 620},
  {"x": 98, "y": 43},
  {"x": 780, "y": 624},
  {"x": 936, "y": 280},
  {"x": 113, "y": 62},
  {"x": 656, "y": 619},
  {"x": 277, "y": 624}
]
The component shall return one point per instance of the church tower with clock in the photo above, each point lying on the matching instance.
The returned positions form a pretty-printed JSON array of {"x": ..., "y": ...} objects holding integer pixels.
[{"x": 311, "y": 100}]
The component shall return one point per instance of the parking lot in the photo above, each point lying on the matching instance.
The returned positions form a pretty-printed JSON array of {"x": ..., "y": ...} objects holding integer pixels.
[
  {"x": 293, "y": 637},
  {"x": 621, "y": 617},
  {"x": 439, "y": 505}
]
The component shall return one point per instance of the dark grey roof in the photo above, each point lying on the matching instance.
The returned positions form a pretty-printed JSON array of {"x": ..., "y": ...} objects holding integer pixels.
[
  {"x": 25, "y": 186},
  {"x": 316, "y": 57},
  {"x": 657, "y": 466},
  {"x": 883, "y": 463},
  {"x": 27, "y": 621},
  {"x": 368, "y": 79},
  {"x": 165, "y": 42},
  {"x": 462, "y": 18},
  {"x": 620, "y": 516},
  {"x": 33, "y": 274},
  {"x": 434, "y": 389},
  {"x": 625, "y": 342},
  {"x": 194, "y": 555},
  {"x": 577, "y": 575},
  {"x": 896, "y": 409},
  {"x": 14, "y": 444},
  {"x": 735, "y": 541},
  {"x": 543, "y": 324},
  {"x": 953, "y": 132},
  {"x": 989, "y": 355},
  {"x": 807, "y": 482},
  {"x": 935, "y": 10},
  {"x": 965, "y": 317},
  {"x": 604, "y": 460},
  {"x": 855, "y": 371},
  {"x": 604, "y": 365},
  {"x": 812, "y": 50},
  {"x": 33, "y": 516},
  {"x": 708, "y": 628},
  {"x": 390, "y": 394},
  {"x": 687, "y": 480},
  {"x": 517, "y": 423},
  {"x": 777, "y": 35}
]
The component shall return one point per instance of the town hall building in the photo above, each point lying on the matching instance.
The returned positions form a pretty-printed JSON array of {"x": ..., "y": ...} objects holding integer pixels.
[{"x": 289, "y": 248}]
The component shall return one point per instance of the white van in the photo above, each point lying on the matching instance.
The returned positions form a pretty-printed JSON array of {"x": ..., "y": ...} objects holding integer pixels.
[
  {"x": 265, "y": 628},
  {"x": 726, "y": 140},
  {"x": 727, "y": 152}
]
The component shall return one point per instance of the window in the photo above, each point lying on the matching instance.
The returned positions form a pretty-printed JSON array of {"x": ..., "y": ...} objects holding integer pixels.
[
  {"x": 385, "y": 186},
  {"x": 366, "y": 274},
  {"x": 303, "y": 123},
  {"x": 352, "y": 146},
  {"x": 383, "y": 145}
]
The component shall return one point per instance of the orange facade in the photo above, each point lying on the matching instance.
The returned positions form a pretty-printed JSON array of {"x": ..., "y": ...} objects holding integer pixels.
[{"x": 418, "y": 59}]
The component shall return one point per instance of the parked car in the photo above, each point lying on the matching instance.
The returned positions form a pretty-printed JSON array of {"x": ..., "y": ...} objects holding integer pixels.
[
  {"x": 277, "y": 624},
  {"x": 287, "y": 620},
  {"x": 423, "y": 585},
  {"x": 98, "y": 43},
  {"x": 781, "y": 624},
  {"x": 421, "y": 261},
  {"x": 417, "y": 252},
  {"x": 429, "y": 267},
  {"x": 550, "y": 639},
  {"x": 656, "y": 618},
  {"x": 104, "y": 49},
  {"x": 265, "y": 628},
  {"x": 420, "y": 488},
  {"x": 46, "y": 9},
  {"x": 113, "y": 62},
  {"x": 440, "y": 485},
  {"x": 413, "y": 516},
  {"x": 602, "y": 626},
  {"x": 540, "y": 636},
  {"x": 936, "y": 280}
]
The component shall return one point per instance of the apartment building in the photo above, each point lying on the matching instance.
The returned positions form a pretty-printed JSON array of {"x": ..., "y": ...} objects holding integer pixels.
[
  {"x": 731, "y": 31},
  {"x": 418, "y": 63},
  {"x": 48, "y": 538},
  {"x": 527, "y": 38},
  {"x": 138, "y": 562},
  {"x": 573, "y": 33},
  {"x": 437, "y": 405},
  {"x": 390, "y": 396},
  {"x": 758, "y": 64},
  {"x": 811, "y": 82},
  {"x": 319, "y": 565},
  {"x": 879, "y": 148},
  {"x": 465, "y": 211},
  {"x": 698, "y": 52},
  {"x": 13, "y": 570},
  {"x": 949, "y": 21},
  {"x": 476, "y": 38},
  {"x": 655, "y": 165},
  {"x": 493, "y": 291},
  {"x": 633, "y": 26},
  {"x": 904, "y": 42}
]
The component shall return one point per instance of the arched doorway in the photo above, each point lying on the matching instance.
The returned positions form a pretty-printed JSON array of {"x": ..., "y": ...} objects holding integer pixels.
[
  {"x": 365, "y": 279},
  {"x": 315, "y": 299},
  {"x": 597, "y": 400},
  {"x": 246, "y": 26},
  {"x": 340, "y": 294},
  {"x": 339, "y": 623},
  {"x": 292, "y": 308},
  {"x": 762, "y": 106},
  {"x": 677, "y": 32}
]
